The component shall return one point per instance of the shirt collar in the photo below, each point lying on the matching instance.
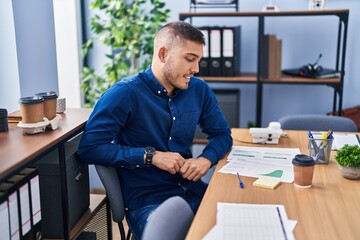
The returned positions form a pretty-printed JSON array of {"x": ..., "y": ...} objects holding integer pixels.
[{"x": 156, "y": 87}]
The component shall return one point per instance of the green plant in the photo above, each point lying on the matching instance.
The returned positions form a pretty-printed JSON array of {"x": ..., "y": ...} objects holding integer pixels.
[
  {"x": 251, "y": 124},
  {"x": 349, "y": 156},
  {"x": 128, "y": 28}
]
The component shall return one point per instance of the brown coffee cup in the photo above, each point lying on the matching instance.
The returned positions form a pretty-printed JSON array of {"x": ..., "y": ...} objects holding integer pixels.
[
  {"x": 50, "y": 101},
  {"x": 32, "y": 109},
  {"x": 303, "y": 170}
]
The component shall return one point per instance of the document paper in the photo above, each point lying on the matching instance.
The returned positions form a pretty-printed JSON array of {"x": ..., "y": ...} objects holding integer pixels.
[
  {"x": 251, "y": 222},
  {"x": 340, "y": 139},
  {"x": 261, "y": 162}
]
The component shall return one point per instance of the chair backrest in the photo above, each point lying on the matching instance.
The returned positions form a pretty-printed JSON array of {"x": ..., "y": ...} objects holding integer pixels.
[
  {"x": 314, "y": 122},
  {"x": 110, "y": 179},
  {"x": 170, "y": 221}
]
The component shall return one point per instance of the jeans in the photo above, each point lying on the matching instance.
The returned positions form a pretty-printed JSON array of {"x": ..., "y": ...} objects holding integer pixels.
[{"x": 137, "y": 218}]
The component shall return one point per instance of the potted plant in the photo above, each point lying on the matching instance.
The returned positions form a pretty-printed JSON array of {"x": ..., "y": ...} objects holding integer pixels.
[
  {"x": 127, "y": 27},
  {"x": 348, "y": 160}
]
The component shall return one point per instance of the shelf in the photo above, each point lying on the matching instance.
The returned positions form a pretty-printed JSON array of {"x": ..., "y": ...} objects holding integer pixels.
[
  {"x": 302, "y": 80},
  {"x": 245, "y": 78},
  {"x": 248, "y": 78},
  {"x": 96, "y": 202},
  {"x": 341, "y": 12},
  {"x": 200, "y": 141},
  {"x": 336, "y": 82}
]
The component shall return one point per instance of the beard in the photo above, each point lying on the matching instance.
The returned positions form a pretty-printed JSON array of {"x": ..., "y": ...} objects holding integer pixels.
[{"x": 174, "y": 79}]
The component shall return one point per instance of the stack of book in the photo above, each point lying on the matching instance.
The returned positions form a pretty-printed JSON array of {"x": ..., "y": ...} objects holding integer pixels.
[
  {"x": 14, "y": 117},
  {"x": 270, "y": 62}
]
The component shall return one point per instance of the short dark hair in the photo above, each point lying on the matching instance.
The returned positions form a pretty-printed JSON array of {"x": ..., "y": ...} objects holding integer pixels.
[{"x": 185, "y": 31}]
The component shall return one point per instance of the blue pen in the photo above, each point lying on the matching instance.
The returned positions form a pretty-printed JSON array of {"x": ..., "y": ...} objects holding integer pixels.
[
  {"x": 310, "y": 135},
  {"x": 330, "y": 134},
  {"x": 311, "y": 139},
  {"x": 240, "y": 182}
]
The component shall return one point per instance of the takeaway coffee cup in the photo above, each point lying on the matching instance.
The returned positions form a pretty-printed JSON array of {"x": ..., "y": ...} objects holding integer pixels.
[
  {"x": 32, "y": 109},
  {"x": 303, "y": 170},
  {"x": 50, "y": 101}
]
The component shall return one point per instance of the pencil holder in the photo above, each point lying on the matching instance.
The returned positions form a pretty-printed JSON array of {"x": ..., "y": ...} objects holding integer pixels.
[{"x": 320, "y": 149}]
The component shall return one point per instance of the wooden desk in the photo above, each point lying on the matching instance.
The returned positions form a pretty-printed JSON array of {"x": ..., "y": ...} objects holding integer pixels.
[
  {"x": 330, "y": 209},
  {"x": 18, "y": 151}
]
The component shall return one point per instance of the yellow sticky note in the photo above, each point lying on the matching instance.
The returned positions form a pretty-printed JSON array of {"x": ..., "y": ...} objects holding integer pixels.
[{"x": 270, "y": 183}]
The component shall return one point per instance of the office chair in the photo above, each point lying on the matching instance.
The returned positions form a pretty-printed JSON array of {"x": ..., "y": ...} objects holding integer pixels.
[
  {"x": 170, "y": 221},
  {"x": 111, "y": 182},
  {"x": 315, "y": 122}
]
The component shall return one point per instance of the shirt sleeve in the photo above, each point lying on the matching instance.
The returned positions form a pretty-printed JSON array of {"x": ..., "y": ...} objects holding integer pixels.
[
  {"x": 105, "y": 123},
  {"x": 214, "y": 125}
]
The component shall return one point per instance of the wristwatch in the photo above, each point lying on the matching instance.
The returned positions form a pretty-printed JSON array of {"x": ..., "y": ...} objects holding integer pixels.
[{"x": 149, "y": 153}]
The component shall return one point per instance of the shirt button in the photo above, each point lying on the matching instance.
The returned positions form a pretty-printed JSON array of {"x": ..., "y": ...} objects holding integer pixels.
[
  {"x": 159, "y": 92},
  {"x": 169, "y": 99},
  {"x": 174, "y": 118},
  {"x": 169, "y": 138},
  {"x": 137, "y": 165},
  {"x": 164, "y": 90}
]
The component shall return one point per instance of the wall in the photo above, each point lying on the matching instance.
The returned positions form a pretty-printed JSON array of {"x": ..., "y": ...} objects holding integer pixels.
[
  {"x": 35, "y": 43},
  {"x": 9, "y": 76},
  {"x": 39, "y": 45},
  {"x": 67, "y": 19}
]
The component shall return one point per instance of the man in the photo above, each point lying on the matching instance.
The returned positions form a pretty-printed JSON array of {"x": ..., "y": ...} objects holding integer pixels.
[{"x": 144, "y": 125}]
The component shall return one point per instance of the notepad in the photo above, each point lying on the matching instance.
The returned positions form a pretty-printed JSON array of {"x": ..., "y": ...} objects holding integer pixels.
[{"x": 270, "y": 183}]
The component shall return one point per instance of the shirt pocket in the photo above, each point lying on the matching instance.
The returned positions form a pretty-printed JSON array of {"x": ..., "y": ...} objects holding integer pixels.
[{"x": 187, "y": 126}]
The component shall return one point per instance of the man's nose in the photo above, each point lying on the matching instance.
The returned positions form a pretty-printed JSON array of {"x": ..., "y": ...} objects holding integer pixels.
[{"x": 195, "y": 67}]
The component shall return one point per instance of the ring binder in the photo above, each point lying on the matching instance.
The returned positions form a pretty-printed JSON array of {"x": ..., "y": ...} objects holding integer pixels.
[
  {"x": 221, "y": 55},
  {"x": 11, "y": 193},
  {"x": 230, "y": 53},
  {"x": 23, "y": 201},
  {"x": 32, "y": 176},
  {"x": 215, "y": 51},
  {"x": 204, "y": 62},
  {"x": 4, "y": 217}
]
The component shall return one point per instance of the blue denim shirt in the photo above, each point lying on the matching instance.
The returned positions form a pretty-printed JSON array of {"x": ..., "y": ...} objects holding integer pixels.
[{"x": 135, "y": 113}]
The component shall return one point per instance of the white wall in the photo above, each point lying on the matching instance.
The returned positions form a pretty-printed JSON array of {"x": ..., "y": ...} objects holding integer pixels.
[
  {"x": 9, "y": 76},
  {"x": 40, "y": 50},
  {"x": 35, "y": 44},
  {"x": 68, "y": 45}
]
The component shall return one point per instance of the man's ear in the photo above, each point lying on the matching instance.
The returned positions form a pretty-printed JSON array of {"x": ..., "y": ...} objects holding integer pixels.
[{"x": 162, "y": 54}]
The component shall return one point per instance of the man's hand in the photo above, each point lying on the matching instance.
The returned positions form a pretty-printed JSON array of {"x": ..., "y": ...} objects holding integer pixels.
[
  {"x": 195, "y": 168},
  {"x": 168, "y": 161}
]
